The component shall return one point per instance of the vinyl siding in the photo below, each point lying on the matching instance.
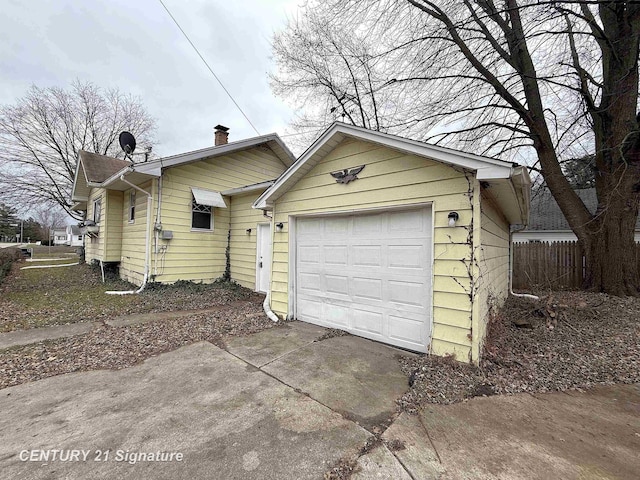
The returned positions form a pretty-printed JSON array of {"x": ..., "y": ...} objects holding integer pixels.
[
  {"x": 113, "y": 237},
  {"x": 94, "y": 245},
  {"x": 200, "y": 255},
  {"x": 391, "y": 179},
  {"x": 134, "y": 235},
  {"x": 493, "y": 268},
  {"x": 243, "y": 245},
  {"x": 106, "y": 246}
]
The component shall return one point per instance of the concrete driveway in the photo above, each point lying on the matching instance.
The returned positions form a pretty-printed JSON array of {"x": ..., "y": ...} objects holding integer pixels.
[{"x": 287, "y": 403}]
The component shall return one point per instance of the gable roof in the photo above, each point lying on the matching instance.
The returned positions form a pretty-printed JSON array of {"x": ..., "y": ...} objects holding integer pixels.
[
  {"x": 272, "y": 140},
  {"x": 485, "y": 168},
  {"x": 546, "y": 214},
  {"x": 97, "y": 168},
  {"x": 94, "y": 170}
]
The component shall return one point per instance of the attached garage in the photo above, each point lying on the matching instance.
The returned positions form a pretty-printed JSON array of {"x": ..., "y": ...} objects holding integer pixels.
[
  {"x": 394, "y": 240},
  {"x": 368, "y": 274}
]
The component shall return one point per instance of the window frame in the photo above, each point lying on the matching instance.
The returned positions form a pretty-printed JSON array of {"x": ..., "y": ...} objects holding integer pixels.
[
  {"x": 201, "y": 209},
  {"x": 97, "y": 208},
  {"x": 132, "y": 206}
]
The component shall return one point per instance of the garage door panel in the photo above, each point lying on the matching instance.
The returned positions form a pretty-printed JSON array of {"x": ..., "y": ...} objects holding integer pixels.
[
  {"x": 312, "y": 308},
  {"x": 338, "y": 284},
  {"x": 336, "y": 255},
  {"x": 409, "y": 221},
  {"x": 309, "y": 254},
  {"x": 369, "y": 274},
  {"x": 367, "y": 321},
  {"x": 337, "y": 226},
  {"x": 366, "y": 255},
  {"x": 407, "y": 256},
  {"x": 366, "y": 288},
  {"x": 367, "y": 225},
  {"x": 310, "y": 282},
  {"x": 406, "y": 293},
  {"x": 336, "y": 314},
  {"x": 405, "y": 329}
]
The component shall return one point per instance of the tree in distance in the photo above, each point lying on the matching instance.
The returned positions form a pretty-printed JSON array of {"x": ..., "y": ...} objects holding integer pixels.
[{"x": 41, "y": 134}]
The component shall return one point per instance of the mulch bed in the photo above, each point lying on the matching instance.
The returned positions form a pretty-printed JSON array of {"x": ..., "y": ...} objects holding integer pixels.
[
  {"x": 565, "y": 341},
  {"x": 120, "y": 347}
]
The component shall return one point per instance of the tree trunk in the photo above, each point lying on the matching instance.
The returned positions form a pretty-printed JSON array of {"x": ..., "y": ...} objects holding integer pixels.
[{"x": 610, "y": 252}]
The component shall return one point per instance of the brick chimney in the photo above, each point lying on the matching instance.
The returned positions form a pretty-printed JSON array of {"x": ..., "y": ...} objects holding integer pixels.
[{"x": 221, "y": 135}]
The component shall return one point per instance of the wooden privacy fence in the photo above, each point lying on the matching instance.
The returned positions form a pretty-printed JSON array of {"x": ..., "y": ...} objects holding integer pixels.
[{"x": 554, "y": 265}]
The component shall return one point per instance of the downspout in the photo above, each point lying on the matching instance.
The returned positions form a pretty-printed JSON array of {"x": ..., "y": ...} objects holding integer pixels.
[
  {"x": 266, "y": 305},
  {"x": 519, "y": 295},
  {"x": 147, "y": 244}
]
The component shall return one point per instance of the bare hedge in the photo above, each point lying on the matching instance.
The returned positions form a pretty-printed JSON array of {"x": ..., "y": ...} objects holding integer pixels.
[{"x": 7, "y": 257}]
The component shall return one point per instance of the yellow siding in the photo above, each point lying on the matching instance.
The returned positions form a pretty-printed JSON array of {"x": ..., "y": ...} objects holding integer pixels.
[
  {"x": 94, "y": 245},
  {"x": 134, "y": 236},
  {"x": 113, "y": 226},
  {"x": 200, "y": 255},
  {"x": 106, "y": 246},
  {"x": 493, "y": 268},
  {"x": 243, "y": 245},
  {"x": 391, "y": 179}
]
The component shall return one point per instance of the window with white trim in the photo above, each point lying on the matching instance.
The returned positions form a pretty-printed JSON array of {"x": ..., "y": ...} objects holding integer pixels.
[
  {"x": 97, "y": 208},
  {"x": 201, "y": 216},
  {"x": 132, "y": 206}
]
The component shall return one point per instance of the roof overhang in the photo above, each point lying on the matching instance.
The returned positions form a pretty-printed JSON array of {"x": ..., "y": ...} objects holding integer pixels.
[
  {"x": 512, "y": 181},
  {"x": 248, "y": 188},
  {"x": 271, "y": 140},
  {"x": 114, "y": 182}
]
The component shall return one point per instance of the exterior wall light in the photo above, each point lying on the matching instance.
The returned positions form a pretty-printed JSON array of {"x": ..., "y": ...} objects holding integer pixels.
[
  {"x": 248, "y": 231},
  {"x": 453, "y": 218},
  {"x": 279, "y": 226}
]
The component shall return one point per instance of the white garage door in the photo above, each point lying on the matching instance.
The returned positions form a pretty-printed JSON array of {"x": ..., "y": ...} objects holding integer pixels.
[{"x": 368, "y": 274}]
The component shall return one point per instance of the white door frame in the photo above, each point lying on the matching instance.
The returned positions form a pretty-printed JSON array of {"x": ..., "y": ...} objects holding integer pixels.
[{"x": 260, "y": 231}]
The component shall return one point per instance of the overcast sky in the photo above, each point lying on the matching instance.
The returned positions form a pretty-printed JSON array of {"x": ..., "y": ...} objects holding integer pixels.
[{"x": 135, "y": 46}]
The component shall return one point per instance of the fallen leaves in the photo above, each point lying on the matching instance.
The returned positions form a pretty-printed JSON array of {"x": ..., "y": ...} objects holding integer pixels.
[{"x": 571, "y": 340}]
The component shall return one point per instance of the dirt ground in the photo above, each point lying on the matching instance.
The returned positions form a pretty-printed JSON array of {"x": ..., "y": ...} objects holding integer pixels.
[{"x": 565, "y": 341}]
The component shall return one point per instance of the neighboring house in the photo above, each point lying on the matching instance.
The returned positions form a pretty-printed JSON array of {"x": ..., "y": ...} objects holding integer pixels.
[
  {"x": 173, "y": 218},
  {"x": 547, "y": 223},
  {"x": 413, "y": 252},
  {"x": 59, "y": 236},
  {"x": 73, "y": 236}
]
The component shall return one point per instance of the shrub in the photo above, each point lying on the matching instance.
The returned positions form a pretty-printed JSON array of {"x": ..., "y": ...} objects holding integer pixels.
[{"x": 7, "y": 257}]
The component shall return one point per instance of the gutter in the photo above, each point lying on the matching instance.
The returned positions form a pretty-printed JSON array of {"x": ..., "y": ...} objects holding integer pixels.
[{"x": 147, "y": 244}]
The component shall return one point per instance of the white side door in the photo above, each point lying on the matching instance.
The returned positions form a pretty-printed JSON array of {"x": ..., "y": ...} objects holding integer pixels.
[{"x": 263, "y": 257}]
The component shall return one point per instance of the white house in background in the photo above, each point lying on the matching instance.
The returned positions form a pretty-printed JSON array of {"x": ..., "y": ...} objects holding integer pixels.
[
  {"x": 547, "y": 223},
  {"x": 73, "y": 236},
  {"x": 59, "y": 236}
]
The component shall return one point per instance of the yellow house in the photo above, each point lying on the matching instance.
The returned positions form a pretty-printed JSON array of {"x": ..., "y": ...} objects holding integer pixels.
[
  {"x": 394, "y": 240},
  {"x": 184, "y": 217}
]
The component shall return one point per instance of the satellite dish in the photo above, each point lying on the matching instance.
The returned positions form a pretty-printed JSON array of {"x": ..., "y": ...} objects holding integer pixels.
[{"x": 127, "y": 142}]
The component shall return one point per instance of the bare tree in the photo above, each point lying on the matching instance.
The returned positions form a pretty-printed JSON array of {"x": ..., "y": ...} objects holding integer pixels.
[
  {"x": 41, "y": 134},
  {"x": 539, "y": 80},
  {"x": 50, "y": 219}
]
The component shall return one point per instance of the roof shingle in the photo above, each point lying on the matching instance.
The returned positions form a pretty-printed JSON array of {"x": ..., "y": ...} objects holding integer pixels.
[{"x": 98, "y": 168}]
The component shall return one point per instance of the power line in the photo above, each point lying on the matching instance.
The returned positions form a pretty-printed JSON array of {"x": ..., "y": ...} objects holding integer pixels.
[{"x": 207, "y": 65}]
